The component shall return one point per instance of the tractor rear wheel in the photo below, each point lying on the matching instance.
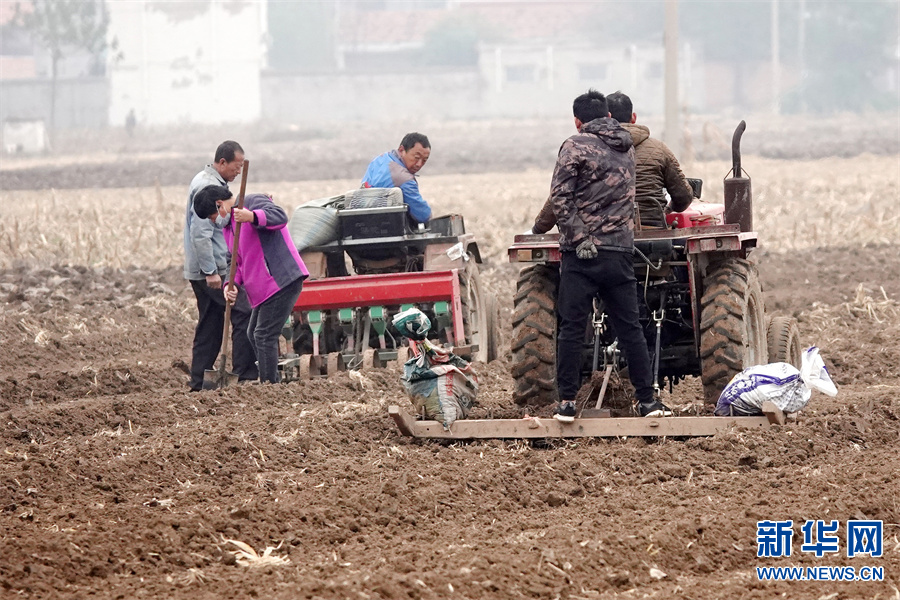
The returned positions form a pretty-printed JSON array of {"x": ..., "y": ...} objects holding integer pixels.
[
  {"x": 784, "y": 341},
  {"x": 474, "y": 309},
  {"x": 533, "y": 342},
  {"x": 732, "y": 324}
]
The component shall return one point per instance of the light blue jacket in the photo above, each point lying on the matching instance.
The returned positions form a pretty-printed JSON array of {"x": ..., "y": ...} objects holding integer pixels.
[
  {"x": 205, "y": 252},
  {"x": 387, "y": 171}
]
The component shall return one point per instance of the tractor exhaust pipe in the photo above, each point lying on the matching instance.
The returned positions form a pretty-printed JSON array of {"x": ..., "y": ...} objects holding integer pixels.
[{"x": 738, "y": 196}]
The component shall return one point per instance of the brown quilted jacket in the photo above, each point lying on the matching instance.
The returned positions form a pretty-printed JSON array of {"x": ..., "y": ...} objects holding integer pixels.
[
  {"x": 592, "y": 191},
  {"x": 655, "y": 168}
]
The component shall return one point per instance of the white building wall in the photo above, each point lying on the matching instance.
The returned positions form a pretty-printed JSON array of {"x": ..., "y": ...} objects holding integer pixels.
[
  {"x": 186, "y": 62},
  {"x": 538, "y": 79}
]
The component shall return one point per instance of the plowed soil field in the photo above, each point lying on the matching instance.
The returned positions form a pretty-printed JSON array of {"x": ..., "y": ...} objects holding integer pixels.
[{"x": 115, "y": 482}]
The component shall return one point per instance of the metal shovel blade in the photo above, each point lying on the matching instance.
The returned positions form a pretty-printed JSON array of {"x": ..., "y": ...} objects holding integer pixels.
[{"x": 214, "y": 379}]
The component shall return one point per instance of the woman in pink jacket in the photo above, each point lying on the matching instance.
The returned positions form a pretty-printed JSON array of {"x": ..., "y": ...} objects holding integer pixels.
[{"x": 268, "y": 266}]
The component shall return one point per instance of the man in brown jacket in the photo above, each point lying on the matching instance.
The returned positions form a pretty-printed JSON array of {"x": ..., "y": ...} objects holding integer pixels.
[
  {"x": 592, "y": 195},
  {"x": 656, "y": 169}
]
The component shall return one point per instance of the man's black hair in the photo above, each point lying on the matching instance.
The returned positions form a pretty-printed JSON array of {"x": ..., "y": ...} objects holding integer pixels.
[
  {"x": 227, "y": 150},
  {"x": 589, "y": 106},
  {"x": 620, "y": 107},
  {"x": 205, "y": 200},
  {"x": 410, "y": 140}
]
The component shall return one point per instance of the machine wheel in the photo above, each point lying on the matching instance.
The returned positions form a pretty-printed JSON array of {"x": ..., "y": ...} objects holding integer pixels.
[
  {"x": 533, "y": 343},
  {"x": 370, "y": 361},
  {"x": 303, "y": 368},
  {"x": 334, "y": 362},
  {"x": 732, "y": 324},
  {"x": 784, "y": 341},
  {"x": 474, "y": 309},
  {"x": 494, "y": 339}
]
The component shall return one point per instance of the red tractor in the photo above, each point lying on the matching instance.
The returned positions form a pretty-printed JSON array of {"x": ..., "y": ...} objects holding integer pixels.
[{"x": 701, "y": 304}]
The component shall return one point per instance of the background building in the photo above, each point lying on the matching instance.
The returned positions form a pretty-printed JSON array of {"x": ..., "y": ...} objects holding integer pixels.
[{"x": 186, "y": 62}]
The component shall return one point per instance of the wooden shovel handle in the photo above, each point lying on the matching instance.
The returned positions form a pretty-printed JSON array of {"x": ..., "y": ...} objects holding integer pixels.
[
  {"x": 234, "y": 252},
  {"x": 237, "y": 226}
]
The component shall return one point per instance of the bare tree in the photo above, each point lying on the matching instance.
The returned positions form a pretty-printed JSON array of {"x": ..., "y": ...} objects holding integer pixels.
[{"x": 64, "y": 25}]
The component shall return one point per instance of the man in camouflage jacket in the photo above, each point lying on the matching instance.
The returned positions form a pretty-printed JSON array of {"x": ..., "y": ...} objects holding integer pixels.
[{"x": 592, "y": 195}]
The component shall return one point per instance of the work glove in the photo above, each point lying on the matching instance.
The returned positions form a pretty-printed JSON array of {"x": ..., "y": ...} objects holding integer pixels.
[{"x": 586, "y": 250}]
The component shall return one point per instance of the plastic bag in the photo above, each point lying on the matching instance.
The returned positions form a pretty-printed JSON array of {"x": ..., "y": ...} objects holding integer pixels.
[
  {"x": 373, "y": 198},
  {"x": 412, "y": 323},
  {"x": 780, "y": 383},
  {"x": 440, "y": 384},
  {"x": 315, "y": 223}
]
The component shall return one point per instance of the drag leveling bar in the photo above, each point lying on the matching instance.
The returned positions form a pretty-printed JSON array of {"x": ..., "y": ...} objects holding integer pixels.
[{"x": 533, "y": 427}]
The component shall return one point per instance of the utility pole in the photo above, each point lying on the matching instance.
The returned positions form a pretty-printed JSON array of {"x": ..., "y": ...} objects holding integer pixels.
[
  {"x": 670, "y": 37},
  {"x": 801, "y": 53},
  {"x": 776, "y": 65}
]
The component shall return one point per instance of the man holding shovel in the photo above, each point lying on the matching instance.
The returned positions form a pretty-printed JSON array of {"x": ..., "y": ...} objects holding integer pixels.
[{"x": 205, "y": 264}]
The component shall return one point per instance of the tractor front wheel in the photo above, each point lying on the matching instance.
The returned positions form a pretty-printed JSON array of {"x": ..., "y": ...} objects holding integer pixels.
[{"x": 732, "y": 324}]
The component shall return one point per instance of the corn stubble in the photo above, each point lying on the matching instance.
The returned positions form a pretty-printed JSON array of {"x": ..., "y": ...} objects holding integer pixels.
[{"x": 797, "y": 205}]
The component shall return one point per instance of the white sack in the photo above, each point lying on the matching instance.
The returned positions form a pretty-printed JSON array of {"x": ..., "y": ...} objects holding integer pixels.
[{"x": 780, "y": 383}]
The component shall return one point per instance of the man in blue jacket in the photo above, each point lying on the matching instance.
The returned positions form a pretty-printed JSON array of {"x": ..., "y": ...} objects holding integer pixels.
[{"x": 398, "y": 168}]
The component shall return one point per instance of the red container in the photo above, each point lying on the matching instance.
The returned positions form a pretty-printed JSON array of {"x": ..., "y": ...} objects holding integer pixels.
[{"x": 698, "y": 214}]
